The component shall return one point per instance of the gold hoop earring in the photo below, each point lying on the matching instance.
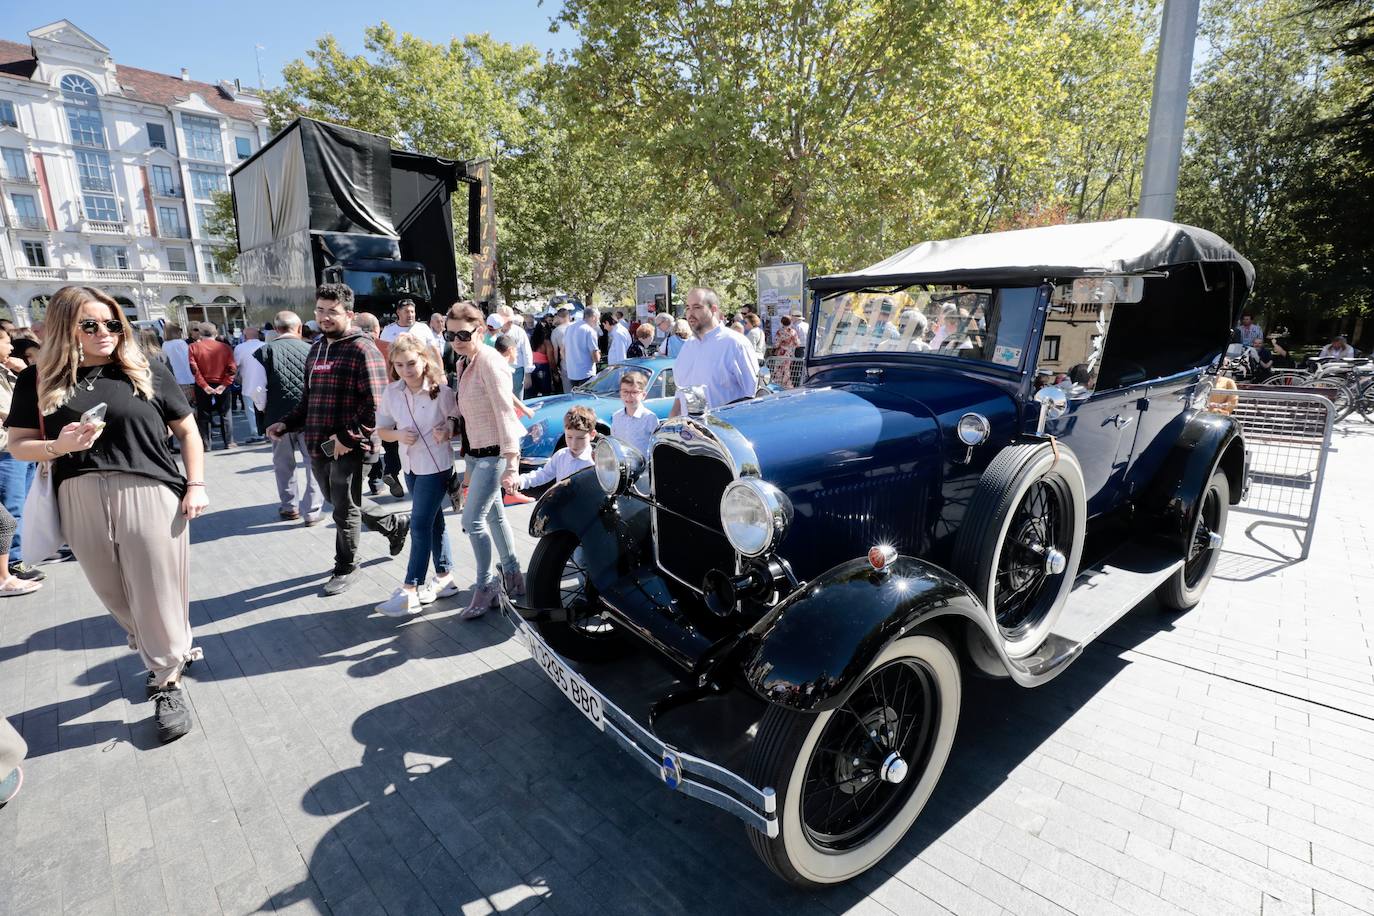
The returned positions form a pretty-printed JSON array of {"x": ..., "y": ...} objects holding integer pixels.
[{"x": 80, "y": 352}]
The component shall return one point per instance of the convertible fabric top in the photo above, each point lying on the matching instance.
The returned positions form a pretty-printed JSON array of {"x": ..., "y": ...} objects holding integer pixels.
[{"x": 1123, "y": 246}]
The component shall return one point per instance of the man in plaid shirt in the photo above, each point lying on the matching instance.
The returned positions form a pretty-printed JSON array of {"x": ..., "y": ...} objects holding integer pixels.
[{"x": 344, "y": 378}]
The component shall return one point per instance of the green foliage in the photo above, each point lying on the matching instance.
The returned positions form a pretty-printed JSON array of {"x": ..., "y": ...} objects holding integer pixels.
[
  {"x": 1258, "y": 171},
  {"x": 221, "y": 225}
]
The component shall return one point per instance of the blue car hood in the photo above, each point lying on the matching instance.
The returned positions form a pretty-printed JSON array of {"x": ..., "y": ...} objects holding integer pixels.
[{"x": 861, "y": 464}]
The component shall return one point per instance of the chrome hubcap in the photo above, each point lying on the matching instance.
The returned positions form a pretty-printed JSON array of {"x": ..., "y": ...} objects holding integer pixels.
[
  {"x": 1055, "y": 561},
  {"x": 894, "y": 768}
]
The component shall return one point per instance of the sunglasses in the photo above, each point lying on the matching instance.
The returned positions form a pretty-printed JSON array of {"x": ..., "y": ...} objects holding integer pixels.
[
  {"x": 91, "y": 326},
  {"x": 464, "y": 336}
]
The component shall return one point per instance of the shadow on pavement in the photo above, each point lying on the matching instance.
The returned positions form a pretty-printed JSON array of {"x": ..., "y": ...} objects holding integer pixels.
[{"x": 526, "y": 799}]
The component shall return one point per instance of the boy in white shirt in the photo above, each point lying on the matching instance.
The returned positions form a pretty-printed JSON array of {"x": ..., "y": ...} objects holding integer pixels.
[
  {"x": 579, "y": 430},
  {"x": 634, "y": 424}
]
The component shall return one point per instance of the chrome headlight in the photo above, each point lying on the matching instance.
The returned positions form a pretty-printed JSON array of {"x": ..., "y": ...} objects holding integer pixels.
[
  {"x": 617, "y": 465},
  {"x": 974, "y": 429},
  {"x": 755, "y": 515}
]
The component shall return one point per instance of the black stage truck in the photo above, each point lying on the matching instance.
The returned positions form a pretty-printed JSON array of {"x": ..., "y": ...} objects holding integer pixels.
[{"x": 322, "y": 203}]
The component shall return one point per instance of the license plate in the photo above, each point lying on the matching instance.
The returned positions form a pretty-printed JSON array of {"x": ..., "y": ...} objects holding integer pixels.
[{"x": 574, "y": 687}]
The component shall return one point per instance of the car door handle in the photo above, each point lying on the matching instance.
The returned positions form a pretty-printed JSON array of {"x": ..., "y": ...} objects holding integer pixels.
[{"x": 1120, "y": 422}]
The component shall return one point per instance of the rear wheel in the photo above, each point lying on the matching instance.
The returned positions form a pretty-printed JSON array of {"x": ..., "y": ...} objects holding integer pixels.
[
  {"x": 1183, "y": 590},
  {"x": 851, "y": 781},
  {"x": 558, "y": 579}
]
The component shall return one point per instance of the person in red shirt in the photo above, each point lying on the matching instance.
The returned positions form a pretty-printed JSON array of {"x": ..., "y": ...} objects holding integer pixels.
[{"x": 212, "y": 363}]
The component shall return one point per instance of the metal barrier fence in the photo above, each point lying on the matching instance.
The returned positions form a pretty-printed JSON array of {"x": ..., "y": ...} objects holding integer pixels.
[
  {"x": 1287, "y": 438},
  {"x": 787, "y": 371}
]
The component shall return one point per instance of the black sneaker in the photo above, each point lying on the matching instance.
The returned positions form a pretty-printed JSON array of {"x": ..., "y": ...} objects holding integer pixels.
[
  {"x": 25, "y": 571},
  {"x": 339, "y": 582},
  {"x": 394, "y": 485},
  {"x": 397, "y": 536},
  {"x": 172, "y": 714},
  {"x": 374, "y": 486}
]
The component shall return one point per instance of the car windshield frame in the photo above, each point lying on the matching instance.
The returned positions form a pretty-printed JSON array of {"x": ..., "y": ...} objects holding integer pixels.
[
  {"x": 1022, "y": 336},
  {"x": 605, "y": 375},
  {"x": 417, "y": 283}
]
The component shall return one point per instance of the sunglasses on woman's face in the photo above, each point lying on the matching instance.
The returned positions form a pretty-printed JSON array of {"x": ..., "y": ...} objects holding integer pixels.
[
  {"x": 91, "y": 326},
  {"x": 464, "y": 336}
]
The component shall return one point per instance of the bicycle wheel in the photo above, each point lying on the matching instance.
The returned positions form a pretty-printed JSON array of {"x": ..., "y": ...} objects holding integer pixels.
[
  {"x": 1341, "y": 394},
  {"x": 1288, "y": 378},
  {"x": 1364, "y": 400}
]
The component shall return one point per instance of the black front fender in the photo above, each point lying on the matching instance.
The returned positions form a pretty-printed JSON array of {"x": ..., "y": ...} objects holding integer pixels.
[
  {"x": 809, "y": 652},
  {"x": 1210, "y": 441},
  {"x": 614, "y": 533}
]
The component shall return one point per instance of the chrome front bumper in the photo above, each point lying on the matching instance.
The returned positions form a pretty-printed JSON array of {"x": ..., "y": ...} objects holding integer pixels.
[{"x": 682, "y": 772}]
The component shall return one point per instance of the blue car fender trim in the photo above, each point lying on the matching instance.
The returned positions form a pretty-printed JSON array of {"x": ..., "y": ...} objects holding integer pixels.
[
  {"x": 811, "y": 649},
  {"x": 1209, "y": 441}
]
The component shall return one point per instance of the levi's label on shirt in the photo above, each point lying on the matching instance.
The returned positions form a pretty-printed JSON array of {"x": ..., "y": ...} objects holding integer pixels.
[{"x": 322, "y": 367}]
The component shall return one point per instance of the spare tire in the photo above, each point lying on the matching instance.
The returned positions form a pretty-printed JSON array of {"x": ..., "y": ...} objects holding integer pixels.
[{"x": 1022, "y": 540}]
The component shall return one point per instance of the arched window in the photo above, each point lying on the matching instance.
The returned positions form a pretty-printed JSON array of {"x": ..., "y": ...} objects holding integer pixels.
[
  {"x": 73, "y": 84},
  {"x": 38, "y": 307},
  {"x": 228, "y": 300},
  {"x": 5, "y": 311}
]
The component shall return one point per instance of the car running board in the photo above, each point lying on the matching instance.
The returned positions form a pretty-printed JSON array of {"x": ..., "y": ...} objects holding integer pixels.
[{"x": 1101, "y": 596}]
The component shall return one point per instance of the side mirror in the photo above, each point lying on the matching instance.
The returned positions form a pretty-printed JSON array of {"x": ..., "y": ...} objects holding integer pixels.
[{"x": 1053, "y": 405}]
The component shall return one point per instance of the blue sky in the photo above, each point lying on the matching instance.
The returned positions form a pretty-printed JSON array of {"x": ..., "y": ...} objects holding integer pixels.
[{"x": 216, "y": 41}]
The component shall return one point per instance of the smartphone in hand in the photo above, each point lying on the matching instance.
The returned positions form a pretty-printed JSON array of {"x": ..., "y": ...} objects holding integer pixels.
[
  {"x": 95, "y": 415},
  {"x": 327, "y": 448}
]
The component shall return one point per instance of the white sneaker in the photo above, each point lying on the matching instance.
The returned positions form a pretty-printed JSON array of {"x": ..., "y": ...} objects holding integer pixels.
[
  {"x": 400, "y": 604},
  {"x": 425, "y": 592},
  {"x": 445, "y": 587}
]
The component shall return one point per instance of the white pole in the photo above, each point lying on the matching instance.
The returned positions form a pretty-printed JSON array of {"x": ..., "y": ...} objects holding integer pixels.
[{"x": 1168, "y": 109}]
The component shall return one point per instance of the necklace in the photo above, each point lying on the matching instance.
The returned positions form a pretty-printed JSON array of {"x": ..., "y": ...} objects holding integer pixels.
[{"x": 89, "y": 383}]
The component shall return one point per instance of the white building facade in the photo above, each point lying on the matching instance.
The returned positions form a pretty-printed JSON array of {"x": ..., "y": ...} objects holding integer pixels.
[{"x": 106, "y": 175}]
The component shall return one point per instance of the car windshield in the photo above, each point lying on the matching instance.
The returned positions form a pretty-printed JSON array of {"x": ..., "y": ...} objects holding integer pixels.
[
  {"x": 378, "y": 283},
  {"x": 983, "y": 325},
  {"x": 607, "y": 381}
]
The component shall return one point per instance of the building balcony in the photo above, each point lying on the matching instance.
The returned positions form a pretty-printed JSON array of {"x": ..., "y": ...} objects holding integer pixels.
[
  {"x": 105, "y": 274},
  {"x": 31, "y": 222},
  {"x": 26, "y": 178},
  {"x": 168, "y": 276},
  {"x": 175, "y": 232},
  {"x": 219, "y": 279},
  {"x": 105, "y": 227},
  {"x": 170, "y": 193},
  {"x": 39, "y": 273}
]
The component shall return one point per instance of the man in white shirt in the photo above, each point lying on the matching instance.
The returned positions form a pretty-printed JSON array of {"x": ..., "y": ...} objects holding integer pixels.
[
  {"x": 618, "y": 339},
  {"x": 717, "y": 358},
  {"x": 405, "y": 323},
  {"x": 252, "y": 379},
  {"x": 1337, "y": 349},
  {"x": 1251, "y": 334},
  {"x": 524, "y": 357},
  {"x": 180, "y": 356},
  {"x": 582, "y": 351}
]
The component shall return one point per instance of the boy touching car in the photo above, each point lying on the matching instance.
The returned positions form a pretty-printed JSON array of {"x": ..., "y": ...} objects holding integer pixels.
[{"x": 579, "y": 431}]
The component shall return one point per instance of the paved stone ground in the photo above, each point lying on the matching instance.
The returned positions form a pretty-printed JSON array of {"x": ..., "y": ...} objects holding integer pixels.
[{"x": 1216, "y": 762}]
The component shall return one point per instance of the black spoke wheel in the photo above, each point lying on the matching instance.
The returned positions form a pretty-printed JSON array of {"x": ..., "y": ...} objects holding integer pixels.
[
  {"x": 1020, "y": 543},
  {"x": 576, "y": 622},
  {"x": 1183, "y": 590},
  {"x": 851, "y": 780}
]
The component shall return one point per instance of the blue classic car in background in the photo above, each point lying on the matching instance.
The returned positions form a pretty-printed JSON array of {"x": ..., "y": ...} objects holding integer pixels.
[
  {"x": 544, "y": 430},
  {"x": 1001, "y": 446}
]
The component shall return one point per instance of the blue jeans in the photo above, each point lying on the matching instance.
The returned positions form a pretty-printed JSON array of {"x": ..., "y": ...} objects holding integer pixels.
[
  {"x": 484, "y": 518},
  {"x": 15, "y": 479},
  {"x": 428, "y": 536},
  {"x": 517, "y": 378}
]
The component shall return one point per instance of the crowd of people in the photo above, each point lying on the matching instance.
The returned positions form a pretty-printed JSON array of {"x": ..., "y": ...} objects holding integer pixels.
[{"x": 106, "y": 432}]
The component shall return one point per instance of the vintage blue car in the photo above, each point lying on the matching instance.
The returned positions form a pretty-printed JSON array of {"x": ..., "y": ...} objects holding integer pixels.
[
  {"x": 544, "y": 431},
  {"x": 1000, "y": 447}
]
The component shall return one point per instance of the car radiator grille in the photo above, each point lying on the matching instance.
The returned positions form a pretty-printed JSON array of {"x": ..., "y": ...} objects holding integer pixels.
[{"x": 690, "y": 487}]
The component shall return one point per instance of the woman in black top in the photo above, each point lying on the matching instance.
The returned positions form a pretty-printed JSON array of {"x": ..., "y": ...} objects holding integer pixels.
[{"x": 123, "y": 502}]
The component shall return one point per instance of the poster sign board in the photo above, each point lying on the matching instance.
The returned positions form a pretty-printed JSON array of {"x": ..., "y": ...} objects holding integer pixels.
[
  {"x": 484, "y": 278},
  {"x": 653, "y": 295},
  {"x": 782, "y": 291}
]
